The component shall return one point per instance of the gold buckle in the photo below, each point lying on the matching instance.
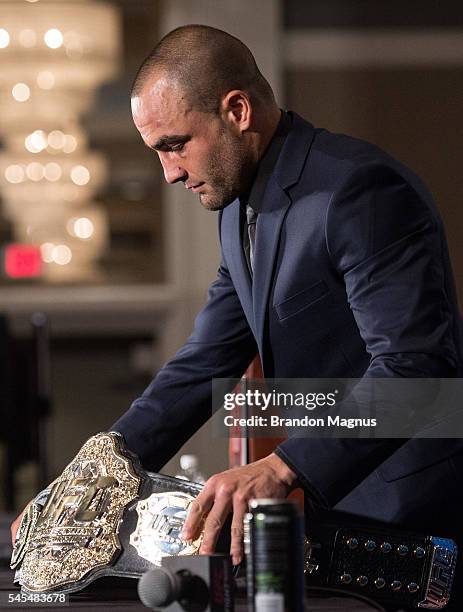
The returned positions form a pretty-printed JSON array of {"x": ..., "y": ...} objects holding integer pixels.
[
  {"x": 76, "y": 531},
  {"x": 28, "y": 521}
]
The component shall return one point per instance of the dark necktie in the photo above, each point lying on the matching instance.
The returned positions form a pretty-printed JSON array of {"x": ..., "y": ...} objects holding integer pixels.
[
  {"x": 255, "y": 195},
  {"x": 251, "y": 218}
]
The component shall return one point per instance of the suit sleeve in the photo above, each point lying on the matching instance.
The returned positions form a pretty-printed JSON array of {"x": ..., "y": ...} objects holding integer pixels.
[
  {"x": 178, "y": 401},
  {"x": 387, "y": 243}
]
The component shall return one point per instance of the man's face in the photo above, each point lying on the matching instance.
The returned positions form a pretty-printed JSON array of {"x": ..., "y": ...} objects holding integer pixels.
[{"x": 203, "y": 150}]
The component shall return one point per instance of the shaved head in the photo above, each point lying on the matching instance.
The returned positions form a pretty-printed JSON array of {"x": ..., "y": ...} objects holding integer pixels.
[
  {"x": 200, "y": 101},
  {"x": 206, "y": 63}
]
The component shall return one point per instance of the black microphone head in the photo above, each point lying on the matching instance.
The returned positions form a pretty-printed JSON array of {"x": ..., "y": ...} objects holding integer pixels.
[{"x": 158, "y": 588}]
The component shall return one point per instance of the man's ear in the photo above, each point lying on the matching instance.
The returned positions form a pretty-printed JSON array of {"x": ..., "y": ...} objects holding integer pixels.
[{"x": 237, "y": 110}]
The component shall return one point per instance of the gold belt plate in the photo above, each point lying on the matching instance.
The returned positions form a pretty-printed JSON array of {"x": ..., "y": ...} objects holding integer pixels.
[{"x": 77, "y": 530}]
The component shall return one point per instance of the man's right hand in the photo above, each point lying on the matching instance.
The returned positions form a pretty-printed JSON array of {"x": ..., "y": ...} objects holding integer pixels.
[{"x": 15, "y": 526}]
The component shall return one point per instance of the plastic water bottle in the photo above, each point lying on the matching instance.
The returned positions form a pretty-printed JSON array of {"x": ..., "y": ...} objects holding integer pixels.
[{"x": 189, "y": 469}]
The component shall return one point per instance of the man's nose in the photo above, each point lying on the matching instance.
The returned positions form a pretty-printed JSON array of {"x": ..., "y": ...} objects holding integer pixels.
[{"x": 172, "y": 171}]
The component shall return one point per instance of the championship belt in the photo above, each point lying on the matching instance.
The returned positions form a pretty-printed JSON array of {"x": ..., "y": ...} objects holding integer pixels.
[
  {"x": 393, "y": 567},
  {"x": 104, "y": 516}
]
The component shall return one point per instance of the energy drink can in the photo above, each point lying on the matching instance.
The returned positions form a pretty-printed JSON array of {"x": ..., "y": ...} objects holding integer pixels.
[{"x": 274, "y": 544}]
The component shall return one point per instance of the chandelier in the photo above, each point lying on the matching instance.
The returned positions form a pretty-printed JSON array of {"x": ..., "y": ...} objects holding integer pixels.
[{"x": 53, "y": 56}]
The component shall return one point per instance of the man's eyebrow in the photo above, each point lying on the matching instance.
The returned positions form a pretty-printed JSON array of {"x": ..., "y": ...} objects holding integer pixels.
[{"x": 167, "y": 141}]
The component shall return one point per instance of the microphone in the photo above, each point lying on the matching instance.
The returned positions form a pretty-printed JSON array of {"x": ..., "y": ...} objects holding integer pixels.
[
  {"x": 159, "y": 587},
  {"x": 199, "y": 583}
]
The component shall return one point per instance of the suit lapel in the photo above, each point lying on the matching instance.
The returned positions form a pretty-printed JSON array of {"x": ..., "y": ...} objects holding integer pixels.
[
  {"x": 268, "y": 230},
  {"x": 272, "y": 212}
]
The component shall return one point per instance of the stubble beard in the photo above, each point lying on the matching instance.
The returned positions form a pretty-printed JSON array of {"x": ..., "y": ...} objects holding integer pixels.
[{"x": 231, "y": 169}]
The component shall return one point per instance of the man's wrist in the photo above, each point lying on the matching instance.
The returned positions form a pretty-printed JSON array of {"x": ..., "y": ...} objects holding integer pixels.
[{"x": 284, "y": 473}]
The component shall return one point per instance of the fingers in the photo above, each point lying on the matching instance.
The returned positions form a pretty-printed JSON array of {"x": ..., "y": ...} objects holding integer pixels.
[
  {"x": 216, "y": 501},
  {"x": 216, "y": 519},
  {"x": 15, "y": 526},
  {"x": 197, "y": 510},
  {"x": 240, "y": 507}
]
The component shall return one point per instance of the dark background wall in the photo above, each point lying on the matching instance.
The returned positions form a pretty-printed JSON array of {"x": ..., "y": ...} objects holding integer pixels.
[{"x": 367, "y": 13}]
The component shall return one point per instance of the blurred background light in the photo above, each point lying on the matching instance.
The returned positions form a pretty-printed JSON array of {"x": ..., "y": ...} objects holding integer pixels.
[
  {"x": 22, "y": 261},
  {"x": 46, "y": 79},
  {"x": 15, "y": 174},
  {"x": 73, "y": 45},
  {"x": 4, "y": 38},
  {"x": 53, "y": 172},
  {"x": 21, "y": 92},
  {"x": 43, "y": 185},
  {"x": 80, "y": 175},
  {"x": 56, "y": 139},
  {"x": 62, "y": 254},
  {"x": 53, "y": 38},
  {"x": 35, "y": 171},
  {"x": 36, "y": 142},
  {"x": 70, "y": 143},
  {"x": 46, "y": 250},
  {"x": 81, "y": 227}
]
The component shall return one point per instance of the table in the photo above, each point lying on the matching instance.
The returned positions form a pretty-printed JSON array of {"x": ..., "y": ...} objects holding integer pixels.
[{"x": 121, "y": 595}]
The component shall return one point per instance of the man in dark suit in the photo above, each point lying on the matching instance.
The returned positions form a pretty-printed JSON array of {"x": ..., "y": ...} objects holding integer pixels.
[
  {"x": 348, "y": 276},
  {"x": 334, "y": 264}
]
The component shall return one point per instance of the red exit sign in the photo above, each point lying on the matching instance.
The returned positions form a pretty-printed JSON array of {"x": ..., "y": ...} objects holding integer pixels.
[{"x": 22, "y": 261}]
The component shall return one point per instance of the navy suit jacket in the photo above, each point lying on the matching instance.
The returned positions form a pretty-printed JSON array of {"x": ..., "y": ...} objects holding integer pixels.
[{"x": 351, "y": 278}]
